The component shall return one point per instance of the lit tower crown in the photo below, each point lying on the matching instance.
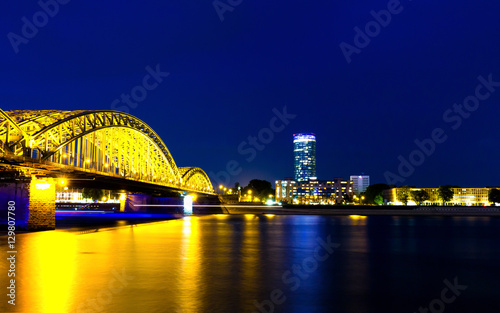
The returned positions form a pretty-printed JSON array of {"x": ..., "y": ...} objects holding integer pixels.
[{"x": 304, "y": 151}]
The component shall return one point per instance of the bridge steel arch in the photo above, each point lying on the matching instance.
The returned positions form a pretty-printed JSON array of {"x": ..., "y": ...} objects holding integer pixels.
[
  {"x": 194, "y": 176},
  {"x": 108, "y": 142}
]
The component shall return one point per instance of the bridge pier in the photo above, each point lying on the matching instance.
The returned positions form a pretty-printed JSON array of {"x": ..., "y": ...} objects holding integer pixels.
[{"x": 34, "y": 202}]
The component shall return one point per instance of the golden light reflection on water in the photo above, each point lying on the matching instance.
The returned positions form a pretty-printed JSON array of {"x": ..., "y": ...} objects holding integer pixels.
[
  {"x": 190, "y": 266},
  {"x": 211, "y": 263},
  {"x": 172, "y": 263},
  {"x": 357, "y": 217},
  {"x": 221, "y": 215},
  {"x": 50, "y": 264},
  {"x": 358, "y": 263},
  {"x": 250, "y": 257},
  {"x": 355, "y": 220}
]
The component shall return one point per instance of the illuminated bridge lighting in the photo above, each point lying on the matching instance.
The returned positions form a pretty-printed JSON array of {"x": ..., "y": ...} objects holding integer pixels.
[{"x": 104, "y": 142}]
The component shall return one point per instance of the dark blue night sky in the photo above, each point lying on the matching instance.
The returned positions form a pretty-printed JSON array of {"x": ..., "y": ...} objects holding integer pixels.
[{"x": 226, "y": 77}]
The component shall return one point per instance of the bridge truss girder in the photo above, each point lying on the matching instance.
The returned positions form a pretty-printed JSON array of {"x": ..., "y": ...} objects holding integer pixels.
[
  {"x": 108, "y": 142},
  {"x": 194, "y": 176}
]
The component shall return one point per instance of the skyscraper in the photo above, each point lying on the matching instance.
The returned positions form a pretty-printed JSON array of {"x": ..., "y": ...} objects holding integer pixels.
[{"x": 304, "y": 150}]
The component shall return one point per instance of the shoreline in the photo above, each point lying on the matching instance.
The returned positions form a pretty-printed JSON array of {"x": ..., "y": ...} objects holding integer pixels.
[
  {"x": 94, "y": 221},
  {"x": 369, "y": 210}
]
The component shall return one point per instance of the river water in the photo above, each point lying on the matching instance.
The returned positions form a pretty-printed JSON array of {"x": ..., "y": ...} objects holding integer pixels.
[{"x": 263, "y": 263}]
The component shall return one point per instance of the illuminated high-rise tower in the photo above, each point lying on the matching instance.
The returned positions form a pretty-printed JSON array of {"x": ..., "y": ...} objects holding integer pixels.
[{"x": 304, "y": 151}]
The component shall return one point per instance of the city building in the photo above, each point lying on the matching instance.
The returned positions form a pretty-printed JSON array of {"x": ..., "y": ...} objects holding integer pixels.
[
  {"x": 344, "y": 189},
  {"x": 461, "y": 196},
  {"x": 314, "y": 191},
  {"x": 284, "y": 190},
  {"x": 304, "y": 187},
  {"x": 304, "y": 151},
  {"x": 360, "y": 183},
  {"x": 73, "y": 196}
]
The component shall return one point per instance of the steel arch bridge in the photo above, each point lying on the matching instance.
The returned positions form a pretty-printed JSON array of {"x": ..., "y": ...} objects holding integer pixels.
[{"x": 106, "y": 142}]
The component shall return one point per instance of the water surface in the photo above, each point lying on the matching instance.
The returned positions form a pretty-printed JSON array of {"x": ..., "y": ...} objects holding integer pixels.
[{"x": 238, "y": 263}]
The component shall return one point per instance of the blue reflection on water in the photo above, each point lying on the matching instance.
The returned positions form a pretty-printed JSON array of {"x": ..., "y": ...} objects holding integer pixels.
[{"x": 223, "y": 263}]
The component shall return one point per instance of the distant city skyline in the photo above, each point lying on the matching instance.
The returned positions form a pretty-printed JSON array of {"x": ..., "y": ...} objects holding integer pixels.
[
  {"x": 208, "y": 87},
  {"x": 140, "y": 142}
]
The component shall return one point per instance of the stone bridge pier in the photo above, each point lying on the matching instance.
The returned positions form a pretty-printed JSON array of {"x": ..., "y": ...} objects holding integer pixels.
[{"x": 34, "y": 201}]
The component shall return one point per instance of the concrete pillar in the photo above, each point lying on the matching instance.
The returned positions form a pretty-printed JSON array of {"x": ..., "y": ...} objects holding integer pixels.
[
  {"x": 42, "y": 204},
  {"x": 34, "y": 202},
  {"x": 15, "y": 194},
  {"x": 137, "y": 199}
]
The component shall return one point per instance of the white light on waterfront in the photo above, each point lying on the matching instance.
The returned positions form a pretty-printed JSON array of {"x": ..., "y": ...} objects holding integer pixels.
[{"x": 188, "y": 205}]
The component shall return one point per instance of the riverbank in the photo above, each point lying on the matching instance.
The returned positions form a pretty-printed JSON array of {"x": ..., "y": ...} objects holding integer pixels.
[
  {"x": 368, "y": 210},
  {"x": 86, "y": 221},
  {"x": 348, "y": 264}
]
